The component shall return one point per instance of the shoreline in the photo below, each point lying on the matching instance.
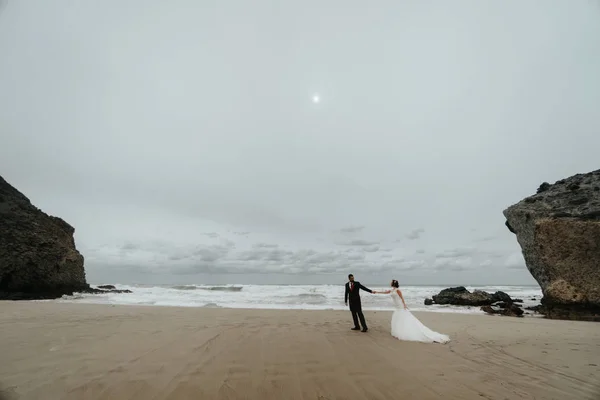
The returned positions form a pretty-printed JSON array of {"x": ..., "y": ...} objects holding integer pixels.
[
  {"x": 469, "y": 310},
  {"x": 73, "y": 351},
  {"x": 266, "y": 309}
]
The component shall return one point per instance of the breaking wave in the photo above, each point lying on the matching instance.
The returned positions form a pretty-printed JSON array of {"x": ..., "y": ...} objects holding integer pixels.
[
  {"x": 215, "y": 288},
  {"x": 311, "y": 297}
]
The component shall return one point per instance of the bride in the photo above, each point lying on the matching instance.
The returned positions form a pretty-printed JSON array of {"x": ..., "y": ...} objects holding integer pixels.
[{"x": 406, "y": 326}]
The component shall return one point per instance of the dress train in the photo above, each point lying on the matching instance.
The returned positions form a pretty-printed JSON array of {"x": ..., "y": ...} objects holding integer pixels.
[{"x": 405, "y": 326}]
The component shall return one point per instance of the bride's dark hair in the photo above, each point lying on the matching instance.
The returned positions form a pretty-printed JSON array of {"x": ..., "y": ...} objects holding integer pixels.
[{"x": 395, "y": 283}]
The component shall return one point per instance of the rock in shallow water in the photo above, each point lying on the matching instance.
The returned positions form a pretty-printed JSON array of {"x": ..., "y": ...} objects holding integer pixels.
[
  {"x": 558, "y": 230},
  {"x": 491, "y": 303},
  {"x": 110, "y": 287},
  {"x": 460, "y": 296}
]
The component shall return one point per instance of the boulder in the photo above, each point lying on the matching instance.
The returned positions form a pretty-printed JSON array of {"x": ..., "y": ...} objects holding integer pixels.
[
  {"x": 501, "y": 296},
  {"x": 538, "y": 309},
  {"x": 558, "y": 229},
  {"x": 428, "y": 302},
  {"x": 506, "y": 309},
  {"x": 460, "y": 296}
]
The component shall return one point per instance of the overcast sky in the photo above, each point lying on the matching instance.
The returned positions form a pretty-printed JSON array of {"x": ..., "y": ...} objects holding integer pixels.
[{"x": 182, "y": 140}]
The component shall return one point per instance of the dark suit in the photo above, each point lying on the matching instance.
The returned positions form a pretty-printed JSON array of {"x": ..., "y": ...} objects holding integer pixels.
[{"x": 355, "y": 306}]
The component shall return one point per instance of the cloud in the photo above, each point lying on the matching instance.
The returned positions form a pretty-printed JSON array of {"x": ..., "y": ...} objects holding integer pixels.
[
  {"x": 154, "y": 257},
  {"x": 486, "y": 263},
  {"x": 210, "y": 253},
  {"x": 249, "y": 256},
  {"x": 356, "y": 257},
  {"x": 404, "y": 265},
  {"x": 212, "y": 235},
  {"x": 241, "y": 233},
  {"x": 128, "y": 246},
  {"x": 352, "y": 229},
  {"x": 457, "y": 252},
  {"x": 515, "y": 261},
  {"x": 453, "y": 264},
  {"x": 207, "y": 253},
  {"x": 228, "y": 243},
  {"x": 265, "y": 246},
  {"x": 496, "y": 255},
  {"x": 370, "y": 249},
  {"x": 456, "y": 260},
  {"x": 263, "y": 254},
  {"x": 415, "y": 234},
  {"x": 357, "y": 242},
  {"x": 223, "y": 257}
]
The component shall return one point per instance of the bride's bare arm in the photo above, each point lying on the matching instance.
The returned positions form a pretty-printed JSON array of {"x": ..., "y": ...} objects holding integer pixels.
[{"x": 384, "y": 292}]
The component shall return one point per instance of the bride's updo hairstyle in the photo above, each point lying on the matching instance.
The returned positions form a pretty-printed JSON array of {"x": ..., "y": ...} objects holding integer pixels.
[{"x": 395, "y": 283}]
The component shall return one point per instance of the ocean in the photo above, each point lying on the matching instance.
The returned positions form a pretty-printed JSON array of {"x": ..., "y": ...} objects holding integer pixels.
[{"x": 293, "y": 297}]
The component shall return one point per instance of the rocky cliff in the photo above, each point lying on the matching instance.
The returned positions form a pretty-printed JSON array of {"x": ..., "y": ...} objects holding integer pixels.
[
  {"x": 38, "y": 258},
  {"x": 558, "y": 230}
]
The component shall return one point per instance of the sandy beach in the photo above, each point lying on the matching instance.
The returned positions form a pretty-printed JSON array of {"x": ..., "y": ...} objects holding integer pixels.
[{"x": 78, "y": 351}]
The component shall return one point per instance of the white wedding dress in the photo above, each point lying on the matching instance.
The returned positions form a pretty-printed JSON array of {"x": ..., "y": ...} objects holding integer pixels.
[{"x": 406, "y": 326}]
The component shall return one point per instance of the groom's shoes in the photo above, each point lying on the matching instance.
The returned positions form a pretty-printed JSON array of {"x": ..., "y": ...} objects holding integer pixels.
[
  {"x": 365, "y": 329},
  {"x": 356, "y": 328}
]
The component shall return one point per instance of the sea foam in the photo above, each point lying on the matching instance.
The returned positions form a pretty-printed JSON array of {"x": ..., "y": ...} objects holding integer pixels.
[{"x": 307, "y": 297}]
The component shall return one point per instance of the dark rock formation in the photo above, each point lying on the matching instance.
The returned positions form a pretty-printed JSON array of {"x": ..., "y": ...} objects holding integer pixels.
[
  {"x": 38, "y": 257},
  {"x": 110, "y": 287},
  {"x": 543, "y": 187},
  {"x": 460, "y": 296},
  {"x": 492, "y": 303},
  {"x": 558, "y": 230},
  {"x": 101, "y": 291},
  {"x": 501, "y": 296},
  {"x": 538, "y": 309},
  {"x": 507, "y": 309},
  {"x": 49, "y": 295}
]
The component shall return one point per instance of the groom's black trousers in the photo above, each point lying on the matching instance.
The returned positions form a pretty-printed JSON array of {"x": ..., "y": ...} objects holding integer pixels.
[{"x": 356, "y": 310}]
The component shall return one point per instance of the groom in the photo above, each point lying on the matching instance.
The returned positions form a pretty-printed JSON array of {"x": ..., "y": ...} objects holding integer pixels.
[{"x": 352, "y": 292}]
